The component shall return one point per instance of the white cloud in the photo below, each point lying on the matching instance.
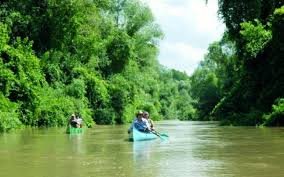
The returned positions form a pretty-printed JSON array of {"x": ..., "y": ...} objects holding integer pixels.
[
  {"x": 189, "y": 27},
  {"x": 180, "y": 56}
]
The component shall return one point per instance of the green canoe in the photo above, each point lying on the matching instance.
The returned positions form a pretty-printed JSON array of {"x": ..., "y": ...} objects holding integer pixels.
[{"x": 73, "y": 130}]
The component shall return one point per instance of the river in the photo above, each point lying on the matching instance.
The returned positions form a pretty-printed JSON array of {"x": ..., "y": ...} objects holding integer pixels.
[{"x": 194, "y": 149}]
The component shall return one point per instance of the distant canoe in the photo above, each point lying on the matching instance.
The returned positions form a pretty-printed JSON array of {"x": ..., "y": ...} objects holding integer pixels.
[
  {"x": 73, "y": 130},
  {"x": 137, "y": 135}
]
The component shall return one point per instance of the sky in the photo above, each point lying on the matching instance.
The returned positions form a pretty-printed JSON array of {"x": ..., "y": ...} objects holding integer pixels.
[{"x": 189, "y": 27}]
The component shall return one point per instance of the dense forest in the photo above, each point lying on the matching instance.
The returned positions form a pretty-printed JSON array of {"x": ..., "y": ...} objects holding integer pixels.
[
  {"x": 95, "y": 58},
  {"x": 99, "y": 59},
  {"x": 241, "y": 80}
]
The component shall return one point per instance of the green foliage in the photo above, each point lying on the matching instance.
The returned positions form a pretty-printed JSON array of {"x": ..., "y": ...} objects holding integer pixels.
[
  {"x": 185, "y": 108},
  {"x": 139, "y": 17},
  {"x": 175, "y": 100},
  {"x": 95, "y": 58},
  {"x": 247, "y": 66},
  {"x": 119, "y": 51},
  {"x": 279, "y": 11},
  {"x": 21, "y": 71},
  {"x": 54, "y": 107},
  {"x": 235, "y": 12},
  {"x": 120, "y": 97},
  {"x": 277, "y": 28},
  {"x": 105, "y": 116},
  {"x": 4, "y": 37},
  {"x": 77, "y": 89},
  {"x": 255, "y": 36},
  {"x": 213, "y": 78},
  {"x": 129, "y": 112},
  {"x": 276, "y": 117},
  {"x": 205, "y": 89},
  {"x": 21, "y": 75},
  {"x": 9, "y": 115}
]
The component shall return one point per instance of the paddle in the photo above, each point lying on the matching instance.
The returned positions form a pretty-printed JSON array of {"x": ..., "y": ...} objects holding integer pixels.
[{"x": 160, "y": 135}]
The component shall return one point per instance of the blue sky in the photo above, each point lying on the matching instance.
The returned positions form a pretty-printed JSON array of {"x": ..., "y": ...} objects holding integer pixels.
[{"x": 189, "y": 27}]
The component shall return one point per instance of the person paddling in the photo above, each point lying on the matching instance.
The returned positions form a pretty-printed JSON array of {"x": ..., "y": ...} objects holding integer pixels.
[
  {"x": 140, "y": 123},
  {"x": 146, "y": 115},
  {"x": 79, "y": 121},
  {"x": 150, "y": 121},
  {"x": 75, "y": 122}
]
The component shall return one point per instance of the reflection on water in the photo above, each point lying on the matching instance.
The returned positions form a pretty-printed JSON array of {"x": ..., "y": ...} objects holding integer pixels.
[
  {"x": 197, "y": 149},
  {"x": 142, "y": 151},
  {"x": 76, "y": 143},
  {"x": 142, "y": 154}
]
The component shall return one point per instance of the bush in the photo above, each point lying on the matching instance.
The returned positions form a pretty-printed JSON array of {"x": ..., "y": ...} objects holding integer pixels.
[
  {"x": 253, "y": 118},
  {"x": 54, "y": 108},
  {"x": 77, "y": 88},
  {"x": 129, "y": 112},
  {"x": 9, "y": 115},
  {"x": 188, "y": 112},
  {"x": 276, "y": 117},
  {"x": 256, "y": 37},
  {"x": 104, "y": 116}
]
